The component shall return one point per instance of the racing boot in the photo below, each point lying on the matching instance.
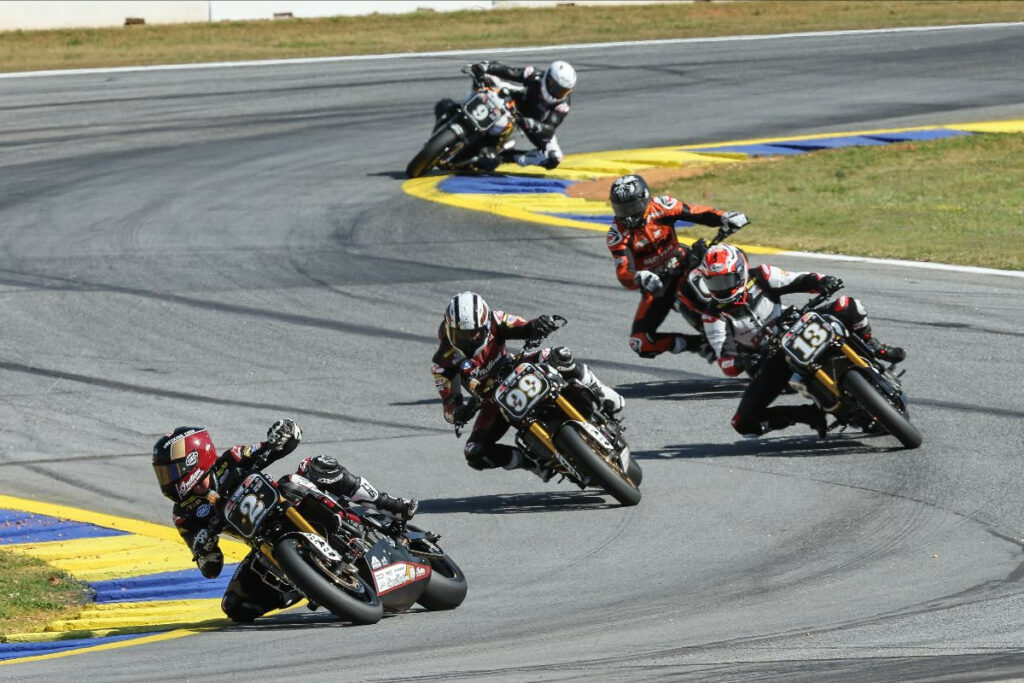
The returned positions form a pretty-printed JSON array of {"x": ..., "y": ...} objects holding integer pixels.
[
  {"x": 694, "y": 343},
  {"x": 520, "y": 461},
  {"x": 561, "y": 359},
  {"x": 883, "y": 352}
]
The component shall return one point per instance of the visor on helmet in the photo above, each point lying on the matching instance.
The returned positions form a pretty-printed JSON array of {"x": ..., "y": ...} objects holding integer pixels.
[
  {"x": 555, "y": 90},
  {"x": 467, "y": 340},
  {"x": 726, "y": 286}
]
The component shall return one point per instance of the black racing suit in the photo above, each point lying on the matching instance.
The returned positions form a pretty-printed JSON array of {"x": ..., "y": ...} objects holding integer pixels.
[
  {"x": 254, "y": 591},
  {"x": 541, "y": 117}
]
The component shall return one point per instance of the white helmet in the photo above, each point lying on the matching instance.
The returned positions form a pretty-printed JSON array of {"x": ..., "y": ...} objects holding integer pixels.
[
  {"x": 467, "y": 322},
  {"x": 559, "y": 80}
]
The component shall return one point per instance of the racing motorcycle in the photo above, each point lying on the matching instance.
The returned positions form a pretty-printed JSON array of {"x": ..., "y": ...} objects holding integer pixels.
[
  {"x": 486, "y": 118},
  {"x": 838, "y": 371},
  {"x": 356, "y": 565},
  {"x": 561, "y": 425}
]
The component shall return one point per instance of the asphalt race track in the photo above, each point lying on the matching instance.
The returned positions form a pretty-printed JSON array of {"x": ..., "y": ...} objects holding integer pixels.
[{"x": 225, "y": 246}]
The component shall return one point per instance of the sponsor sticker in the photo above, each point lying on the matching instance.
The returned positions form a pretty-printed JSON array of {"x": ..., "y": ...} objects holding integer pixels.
[
  {"x": 203, "y": 510},
  {"x": 397, "y": 575},
  {"x": 190, "y": 481},
  {"x": 191, "y": 459}
]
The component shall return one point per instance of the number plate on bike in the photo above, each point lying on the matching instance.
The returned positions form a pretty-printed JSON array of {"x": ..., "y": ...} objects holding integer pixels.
[
  {"x": 479, "y": 110},
  {"x": 521, "y": 390},
  {"x": 807, "y": 338},
  {"x": 250, "y": 503}
]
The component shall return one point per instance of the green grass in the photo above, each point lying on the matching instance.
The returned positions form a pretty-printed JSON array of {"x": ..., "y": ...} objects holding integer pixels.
[
  {"x": 420, "y": 31},
  {"x": 33, "y": 593},
  {"x": 959, "y": 200}
]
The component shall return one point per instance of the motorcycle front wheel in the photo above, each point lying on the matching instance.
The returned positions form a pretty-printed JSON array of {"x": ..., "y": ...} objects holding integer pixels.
[
  {"x": 447, "y": 586},
  {"x": 875, "y": 403},
  {"x": 603, "y": 473},
  {"x": 348, "y": 596},
  {"x": 432, "y": 151}
]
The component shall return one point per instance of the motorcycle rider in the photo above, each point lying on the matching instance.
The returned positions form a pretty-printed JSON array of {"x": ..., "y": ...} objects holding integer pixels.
[
  {"x": 541, "y": 97},
  {"x": 472, "y": 337},
  {"x": 195, "y": 478},
  {"x": 649, "y": 257},
  {"x": 743, "y": 301}
]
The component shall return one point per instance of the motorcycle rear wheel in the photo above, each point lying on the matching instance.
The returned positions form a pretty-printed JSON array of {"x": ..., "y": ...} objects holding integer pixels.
[
  {"x": 604, "y": 474},
  {"x": 447, "y": 586},
  {"x": 871, "y": 399},
  {"x": 431, "y": 152},
  {"x": 360, "y": 605}
]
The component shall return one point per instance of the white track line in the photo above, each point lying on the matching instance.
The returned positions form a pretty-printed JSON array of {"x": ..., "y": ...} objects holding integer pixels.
[
  {"x": 505, "y": 50},
  {"x": 976, "y": 270}
]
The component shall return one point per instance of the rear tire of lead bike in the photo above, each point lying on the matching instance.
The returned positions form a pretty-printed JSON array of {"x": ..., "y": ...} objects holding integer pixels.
[
  {"x": 603, "y": 473},
  {"x": 447, "y": 587},
  {"x": 869, "y": 398},
  {"x": 360, "y": 608},
  {"x": 431, "y": 152}
]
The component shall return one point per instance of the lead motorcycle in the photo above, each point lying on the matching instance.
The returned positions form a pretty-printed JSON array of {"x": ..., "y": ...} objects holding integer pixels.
[
  {"x": 838, "y": 371},
  {"x": 487, "y": 117},
  {"x": 561, "y": 425},
  {"x": 356, "y": 564}
]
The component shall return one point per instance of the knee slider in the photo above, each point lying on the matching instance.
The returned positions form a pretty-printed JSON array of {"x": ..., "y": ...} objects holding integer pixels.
[
  {"x": 237, "y": 608},
  {"x": 746, "y": 426}
]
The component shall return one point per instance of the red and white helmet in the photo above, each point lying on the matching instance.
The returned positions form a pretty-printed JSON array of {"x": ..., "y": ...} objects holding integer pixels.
[
  {"x": 467, "y": 322},
  {"x": 724, "y": 269},
  {"x": 181, "y": 461}
]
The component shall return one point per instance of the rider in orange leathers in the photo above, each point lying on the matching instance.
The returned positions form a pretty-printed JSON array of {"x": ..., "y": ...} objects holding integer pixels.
[{"x": 648, "y": 257}]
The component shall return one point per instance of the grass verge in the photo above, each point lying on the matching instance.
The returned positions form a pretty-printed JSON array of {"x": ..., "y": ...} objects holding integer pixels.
[
  {"x": 423, "y": 30},
  {"x": 32, "y": 593},
  {"x": 958, "y": 200}
]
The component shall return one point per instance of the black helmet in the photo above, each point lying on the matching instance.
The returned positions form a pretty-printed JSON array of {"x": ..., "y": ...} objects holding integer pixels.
[
  {"x": 182, "y": 459},
  {"x": 630, "y": 197}
]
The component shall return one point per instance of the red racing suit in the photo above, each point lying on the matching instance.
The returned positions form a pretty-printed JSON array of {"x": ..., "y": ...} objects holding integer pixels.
[{"x": 655, "y": 247}]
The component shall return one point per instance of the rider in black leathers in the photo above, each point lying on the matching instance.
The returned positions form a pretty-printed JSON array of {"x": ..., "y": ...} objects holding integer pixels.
[
  {"x": 541, "y": 97},
  {"x": 194, "y": 477}
]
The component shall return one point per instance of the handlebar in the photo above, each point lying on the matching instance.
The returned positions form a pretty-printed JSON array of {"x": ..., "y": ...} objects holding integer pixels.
[{"x": 510, "y": 361}]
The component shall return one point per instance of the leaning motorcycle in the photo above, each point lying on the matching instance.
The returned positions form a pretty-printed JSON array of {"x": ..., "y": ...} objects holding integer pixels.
[
  {"x": 838, "y": 371},
  {"x": 308, "y": 540},
  {"x": 486, "y": 118},
  {"x": 561, "y": 425}
]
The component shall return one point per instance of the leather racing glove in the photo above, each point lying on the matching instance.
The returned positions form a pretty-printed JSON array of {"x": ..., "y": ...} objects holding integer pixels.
[
  {"x": 207, "y": 554},
  {"x": 282, "y": 433},
  {"x": 829, "y": 285},
  {"x": 543, "y": 325},
  {"x": 648, "y": 281}
]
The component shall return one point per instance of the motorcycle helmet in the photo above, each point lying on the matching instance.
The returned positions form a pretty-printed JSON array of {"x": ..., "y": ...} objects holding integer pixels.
[
  {"x": 181, "y": 461},
  {"x": 724, "y": 269},
  {"x": 467, "y": 322},
  {"x": 630, "y": 198},
  {"x": 559, "y": 80}
]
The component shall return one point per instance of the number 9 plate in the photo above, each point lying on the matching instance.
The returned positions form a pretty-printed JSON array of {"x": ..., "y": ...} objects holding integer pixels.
[
  {"x": 807, "y": 338},
  {"x": 520, "y": 391}
]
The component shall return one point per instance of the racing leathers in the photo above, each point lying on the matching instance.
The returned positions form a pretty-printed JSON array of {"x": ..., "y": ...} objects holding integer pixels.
[
  {"x": 743, "y": 322},
  {"x": 540, "y": 117},
  {"x": 253, "y": 590},
  {"x": 453, "y": 368},
  {"x": 651, "y": 259}
]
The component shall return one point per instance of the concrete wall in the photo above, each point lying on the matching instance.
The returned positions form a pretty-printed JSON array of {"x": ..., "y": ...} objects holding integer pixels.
[{"x": 46, "y": 14}]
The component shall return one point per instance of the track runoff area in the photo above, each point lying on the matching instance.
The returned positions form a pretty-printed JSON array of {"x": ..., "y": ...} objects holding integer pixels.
[
  {"x": 538, "y": 196},
  {"x": 146, "y": 587}
]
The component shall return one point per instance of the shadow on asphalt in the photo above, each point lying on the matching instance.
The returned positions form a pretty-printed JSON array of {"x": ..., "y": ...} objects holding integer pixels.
[
  {"x": 686, "y": 389},
  {"x": 516, "y": 503},
  {"x": 802, "y": 446}
]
